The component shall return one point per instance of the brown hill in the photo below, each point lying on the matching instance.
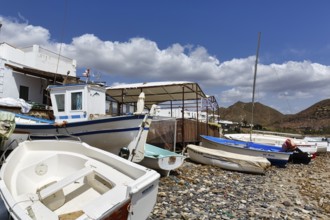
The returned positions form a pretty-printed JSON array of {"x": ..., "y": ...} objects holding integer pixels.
[
  {"x": 315, "y": 119},
  {"x": 242, "y": 112}
]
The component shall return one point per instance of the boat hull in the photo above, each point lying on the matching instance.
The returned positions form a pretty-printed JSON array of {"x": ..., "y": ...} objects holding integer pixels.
[
  {"x": 55, "y": 177},
  {"x": 272, "y": 153},
  {"x": 110, "y": 134},
  {"x": 228, "y": 161}
]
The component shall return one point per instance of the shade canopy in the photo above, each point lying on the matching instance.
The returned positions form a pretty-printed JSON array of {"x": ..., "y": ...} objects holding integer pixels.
[
  {"x": 56, "y": 77},
  {"x": 156, "y": 92}
]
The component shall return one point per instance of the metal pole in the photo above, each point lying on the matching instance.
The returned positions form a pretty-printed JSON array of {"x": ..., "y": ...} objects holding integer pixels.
[
  {"x": 207, "y": 121},
  {"x": 182, "y": 125},
  {"x": 197, "y": 116},
  {"x": 171, "y": 109},
  {"x": 0, "y": 27},
  {"x": 254, "y": 83},
  {"x": 174, "y": 138}
]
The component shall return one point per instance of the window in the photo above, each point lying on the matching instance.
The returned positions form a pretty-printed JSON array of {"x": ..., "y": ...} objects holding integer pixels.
[
  {"x": 60, "y": 102},
  {"x": 76, "y": 101},
  {"x": 24, "y": 93}
]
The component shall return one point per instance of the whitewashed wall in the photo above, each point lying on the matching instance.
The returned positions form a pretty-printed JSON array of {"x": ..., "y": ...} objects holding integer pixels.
[
  {"x": 32, "y": 57},
  {"x": 43, "y": 59}
]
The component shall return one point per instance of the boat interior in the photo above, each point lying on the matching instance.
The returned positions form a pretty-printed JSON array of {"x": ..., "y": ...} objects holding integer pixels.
[{"x": 63, "y": 184}]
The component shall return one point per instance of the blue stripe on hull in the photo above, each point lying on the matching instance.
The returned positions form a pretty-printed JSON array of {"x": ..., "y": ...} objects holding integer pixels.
[
  {"x": 52, "y": 135},
  {"x": 77, "y": 124}
]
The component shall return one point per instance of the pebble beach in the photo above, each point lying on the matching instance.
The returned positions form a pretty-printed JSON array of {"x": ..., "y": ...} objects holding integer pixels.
[{"x": 196, "y": 191}]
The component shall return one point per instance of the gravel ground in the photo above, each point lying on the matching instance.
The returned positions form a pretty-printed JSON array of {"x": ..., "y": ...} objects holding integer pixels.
[{"x": 196, "y": 191}]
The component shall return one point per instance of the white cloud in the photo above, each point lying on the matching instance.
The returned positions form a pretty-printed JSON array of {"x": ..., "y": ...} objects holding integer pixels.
[
  {"x": 141, "y": 60},
  {"x": 21, "y": 34}
]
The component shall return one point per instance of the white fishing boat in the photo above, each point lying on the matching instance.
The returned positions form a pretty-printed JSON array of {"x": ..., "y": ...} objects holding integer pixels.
[
  {"x": 80, "y": 110},
  {"x": 161, "y": 160},
  {"x": 263, "y": 138},
  {"x": 227, "y": 160},
  {"x": 66, "y": 179},
  {"x": 320, "y": 142},
  {"x": 278, "y": 140}
]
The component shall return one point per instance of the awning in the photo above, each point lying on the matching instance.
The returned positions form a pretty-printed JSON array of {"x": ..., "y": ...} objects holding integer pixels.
[
  {"x": 156, "y": 92},
  {"x": 42, "y": 74}
]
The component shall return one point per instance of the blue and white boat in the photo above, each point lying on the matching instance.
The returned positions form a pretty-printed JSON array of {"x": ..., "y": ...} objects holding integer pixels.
[
  {"x": 80, "y": 110},
  {"x": 272, "y": 153}
]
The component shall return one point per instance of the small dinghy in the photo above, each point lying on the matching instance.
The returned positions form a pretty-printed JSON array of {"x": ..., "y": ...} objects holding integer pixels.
[
  {"x": 66, "y": 179},
  {"x": 227, "y": 160},
  {"x": 161, "y": 160}
]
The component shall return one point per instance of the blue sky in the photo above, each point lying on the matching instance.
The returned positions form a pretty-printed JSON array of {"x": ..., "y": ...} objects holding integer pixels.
[{"x": 209, "y": 42}]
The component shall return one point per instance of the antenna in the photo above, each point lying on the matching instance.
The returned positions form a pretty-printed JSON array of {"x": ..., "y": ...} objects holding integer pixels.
[{"x": 87, "y": 74}]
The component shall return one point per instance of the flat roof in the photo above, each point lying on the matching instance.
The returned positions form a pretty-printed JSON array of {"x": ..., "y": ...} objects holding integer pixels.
[{"x": 156, "y": 92}]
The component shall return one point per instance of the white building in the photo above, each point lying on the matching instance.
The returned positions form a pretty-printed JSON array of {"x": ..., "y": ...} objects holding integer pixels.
[
  {"x": 26, "y": 72},
  {"x": 177, "y": 113}
]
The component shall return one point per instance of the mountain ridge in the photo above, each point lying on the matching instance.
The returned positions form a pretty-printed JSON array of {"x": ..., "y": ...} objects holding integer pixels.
[{"x": 314, "y": 119}]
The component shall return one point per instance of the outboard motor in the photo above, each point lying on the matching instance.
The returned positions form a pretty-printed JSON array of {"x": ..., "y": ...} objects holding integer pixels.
[{"x": 124, "y": 152}]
